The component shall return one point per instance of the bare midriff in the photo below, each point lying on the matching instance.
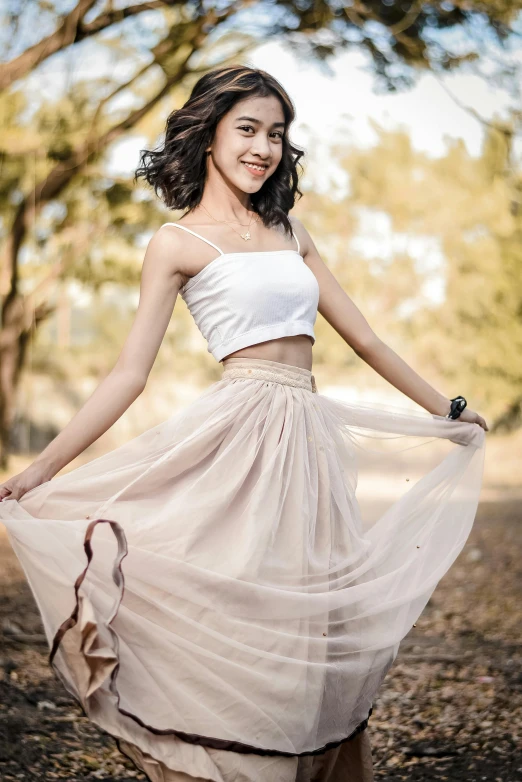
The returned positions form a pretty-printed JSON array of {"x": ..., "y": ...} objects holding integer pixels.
[{"x": 296, "y": 351}]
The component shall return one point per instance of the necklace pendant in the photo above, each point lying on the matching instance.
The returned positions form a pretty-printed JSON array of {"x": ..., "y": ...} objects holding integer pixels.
[{"x": 246, "y": 236}]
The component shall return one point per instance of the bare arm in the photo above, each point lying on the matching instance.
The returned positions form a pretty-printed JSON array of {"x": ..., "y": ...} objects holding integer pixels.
[
  {"x": 340, "y": 311},
  {"x": 159, "y": 287}
]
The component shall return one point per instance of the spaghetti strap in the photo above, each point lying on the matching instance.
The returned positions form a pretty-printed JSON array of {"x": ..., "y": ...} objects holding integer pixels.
[
  {"x": 177, "y": 225},
  {"x": 297, "y": 240}
]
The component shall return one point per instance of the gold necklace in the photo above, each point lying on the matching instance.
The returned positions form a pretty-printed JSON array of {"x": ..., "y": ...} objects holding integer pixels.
[{"x": 246, "y": 236}]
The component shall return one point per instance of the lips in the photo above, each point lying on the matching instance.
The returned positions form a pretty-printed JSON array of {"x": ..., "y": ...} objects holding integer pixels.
[{"x": 254, "y": 171}]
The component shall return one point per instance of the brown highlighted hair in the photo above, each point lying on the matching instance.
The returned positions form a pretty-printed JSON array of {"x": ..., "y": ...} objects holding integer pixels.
[{"x": 177, "y": 169}]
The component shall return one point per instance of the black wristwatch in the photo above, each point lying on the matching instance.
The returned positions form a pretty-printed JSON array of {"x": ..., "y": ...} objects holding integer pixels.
[{"x": 457, "y": 406}]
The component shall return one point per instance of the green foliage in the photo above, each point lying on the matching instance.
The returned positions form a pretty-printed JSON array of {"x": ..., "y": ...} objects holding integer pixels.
[
  {"x": 96, "y": 226},
  {"x": 471, "y": 209}
]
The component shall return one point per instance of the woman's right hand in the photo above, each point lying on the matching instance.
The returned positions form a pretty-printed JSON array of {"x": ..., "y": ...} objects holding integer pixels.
[{"x": 18, "y": 485}]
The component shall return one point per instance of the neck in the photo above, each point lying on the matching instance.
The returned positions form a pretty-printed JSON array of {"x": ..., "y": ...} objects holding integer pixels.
[
  {"x": 223, "y": 201},
  {"x": 233, "y": 213}
]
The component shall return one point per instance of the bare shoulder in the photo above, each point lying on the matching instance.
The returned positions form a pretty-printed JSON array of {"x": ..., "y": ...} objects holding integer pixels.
[
  {"x": 168, "y": 239},
  {"x": 188, "y": 251},
  {"x": 305, "y": 240},
  {"x": 168, "y": 247}
]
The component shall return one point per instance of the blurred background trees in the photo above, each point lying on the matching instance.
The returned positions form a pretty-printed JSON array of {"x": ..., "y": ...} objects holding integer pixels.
[{"x": 73, "y": 234}]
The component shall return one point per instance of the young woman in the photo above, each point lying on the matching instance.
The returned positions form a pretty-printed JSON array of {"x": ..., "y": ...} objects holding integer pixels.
[{"x": 246, "y": 634}]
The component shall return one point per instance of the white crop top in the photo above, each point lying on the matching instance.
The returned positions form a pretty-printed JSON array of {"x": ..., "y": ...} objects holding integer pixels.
[{"x": 243, "y": 298}]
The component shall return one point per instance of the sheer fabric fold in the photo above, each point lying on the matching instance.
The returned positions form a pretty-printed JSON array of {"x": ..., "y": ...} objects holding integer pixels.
[{"x": 226, "y": 580}]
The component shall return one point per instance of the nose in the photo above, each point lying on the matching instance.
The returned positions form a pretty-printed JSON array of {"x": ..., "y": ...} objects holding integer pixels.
[{"x": 261, "y": 146}]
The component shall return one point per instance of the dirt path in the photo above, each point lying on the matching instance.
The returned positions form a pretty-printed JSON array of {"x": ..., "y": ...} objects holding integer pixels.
[{"x": 450, "y": 709}]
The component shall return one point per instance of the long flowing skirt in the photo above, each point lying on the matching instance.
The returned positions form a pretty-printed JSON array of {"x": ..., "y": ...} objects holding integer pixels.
[{"x": 218, "y": 597}]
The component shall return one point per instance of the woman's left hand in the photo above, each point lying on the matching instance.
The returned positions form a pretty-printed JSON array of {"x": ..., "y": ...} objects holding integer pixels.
[{"x": 471, "y": 417}]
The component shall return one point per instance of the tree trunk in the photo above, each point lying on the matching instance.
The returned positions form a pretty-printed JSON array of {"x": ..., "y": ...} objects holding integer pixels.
[{"x": 14, "y": 344}]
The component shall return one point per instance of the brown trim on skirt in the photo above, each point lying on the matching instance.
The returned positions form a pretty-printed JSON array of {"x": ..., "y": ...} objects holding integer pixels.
[{"x": 191, "y": 738}]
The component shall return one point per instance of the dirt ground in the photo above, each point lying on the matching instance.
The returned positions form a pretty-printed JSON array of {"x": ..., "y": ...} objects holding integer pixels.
[{"x": 450, "y": 708}]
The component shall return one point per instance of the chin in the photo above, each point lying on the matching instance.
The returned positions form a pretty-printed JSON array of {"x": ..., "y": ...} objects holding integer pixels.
[{"x": 251, "y": 187}]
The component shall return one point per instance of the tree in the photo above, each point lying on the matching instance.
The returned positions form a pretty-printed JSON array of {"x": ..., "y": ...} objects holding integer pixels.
[
  {"x": 169, "y": 53},
  {"x": 470, "y": 210}
]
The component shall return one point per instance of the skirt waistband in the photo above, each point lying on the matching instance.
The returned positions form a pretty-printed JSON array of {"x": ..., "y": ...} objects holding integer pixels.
[{"x": 272, "y": 371}]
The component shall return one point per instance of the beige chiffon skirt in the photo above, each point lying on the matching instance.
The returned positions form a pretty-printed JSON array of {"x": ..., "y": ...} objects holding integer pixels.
[
  {"x": 217, "y": 593},
  {"x": 351, "y": 761}
]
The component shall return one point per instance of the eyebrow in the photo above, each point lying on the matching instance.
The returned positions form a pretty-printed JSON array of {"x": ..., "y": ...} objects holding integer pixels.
[{"x": 253, "y": 119}]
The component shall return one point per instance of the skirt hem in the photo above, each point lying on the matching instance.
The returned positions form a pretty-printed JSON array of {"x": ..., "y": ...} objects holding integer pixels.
[{"x": 98, "y": 659}]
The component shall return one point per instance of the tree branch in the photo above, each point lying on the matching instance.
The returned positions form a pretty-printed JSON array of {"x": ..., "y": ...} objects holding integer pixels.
[{"x": 72, "y": 30}]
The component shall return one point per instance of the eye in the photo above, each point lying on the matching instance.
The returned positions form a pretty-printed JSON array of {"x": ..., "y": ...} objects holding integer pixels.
[{"x": 249, "y": 127}]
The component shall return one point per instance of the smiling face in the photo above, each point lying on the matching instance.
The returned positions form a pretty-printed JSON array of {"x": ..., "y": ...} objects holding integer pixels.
[{"x": 248, "y": 143}]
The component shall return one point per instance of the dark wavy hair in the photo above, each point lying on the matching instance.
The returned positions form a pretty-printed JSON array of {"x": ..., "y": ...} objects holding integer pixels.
[{"x": 177, "y": 169}]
